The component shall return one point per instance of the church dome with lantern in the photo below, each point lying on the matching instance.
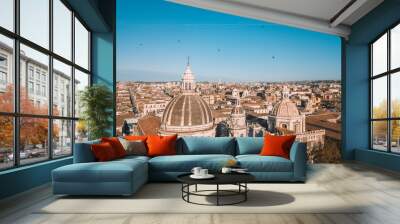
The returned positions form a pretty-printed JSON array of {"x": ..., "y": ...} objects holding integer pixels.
[
  {"x": 188, "y": 113},
  {"x": 286, "y": 116},
  {"x": 285, "y": 108}
]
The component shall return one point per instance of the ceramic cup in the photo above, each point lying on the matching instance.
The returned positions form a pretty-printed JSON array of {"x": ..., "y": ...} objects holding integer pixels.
[
  {"x": 203, "y": 172},
  {"x": 226, "y": 170},
  {"x": 196, "y": 171}
]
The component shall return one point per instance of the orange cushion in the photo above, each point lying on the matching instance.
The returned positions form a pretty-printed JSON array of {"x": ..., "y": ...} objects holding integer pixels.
[
  {"x": 103, "y": 152},
  {"x": 116, "y": 145},
  {"x": 142, "y": 138},
  {"x": 161, "y": 145},
  {"x": 136, "y": 137},
  {"x": 277, "y": 145}
]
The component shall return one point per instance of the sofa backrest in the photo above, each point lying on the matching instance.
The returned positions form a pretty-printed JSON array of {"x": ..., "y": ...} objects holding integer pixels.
[
  {"x": 249, "y": 145},
  {"x": 206, "y": 145},
  {"x": 83, "y": 152},
  {"x": 190, "y": 145}
]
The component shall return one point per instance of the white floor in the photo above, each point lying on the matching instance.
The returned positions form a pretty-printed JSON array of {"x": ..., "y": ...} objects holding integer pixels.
[
  {"x": 262, "y": 198},
  {"x": 377, "y": 190}
]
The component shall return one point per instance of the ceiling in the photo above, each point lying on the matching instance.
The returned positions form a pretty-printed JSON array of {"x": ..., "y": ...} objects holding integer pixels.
[
  {"x": 322, "y": 9},
  {"x": 97, "y": 14},
  {"x": 327, "y": 16}
]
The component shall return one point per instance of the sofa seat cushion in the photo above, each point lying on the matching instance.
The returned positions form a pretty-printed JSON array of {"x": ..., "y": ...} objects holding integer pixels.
[
  {"x": 134, "y": 157},
  {"x": 112, "y": 171},
  {"x": 257, "y": 163},
  {"x": 185, "y": 163}
]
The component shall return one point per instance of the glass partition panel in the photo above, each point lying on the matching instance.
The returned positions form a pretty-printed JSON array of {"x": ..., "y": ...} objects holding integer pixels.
[
  {"x": 62, "y": 29},
  {"x": 81, "y": 131},
  {"x": 81, "y": 45},
  {"x": 379, "y": 135},
  {"x": 395, "y": 47},
  {"x": 6, "y": 74},
  {"x": 34, "y": 144},
  {"x": 62, "y": 89},
  {"x": 379, "y": 56},
  {"x": 7, "y": 14},
  {"x": 379, "y": 98},
  {"x": 34, "y": 21},
  {"x": 62, "y": 138},
  {"x": 395, "y": 95},
  {"x": 395, "y": 136},
  {"x": 6, "y": 142},
  {"x": 34, "y": 81},
  {"x": 81, "y": 82}
]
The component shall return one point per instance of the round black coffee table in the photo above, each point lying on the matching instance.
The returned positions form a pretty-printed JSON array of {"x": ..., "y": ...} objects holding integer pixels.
[{"x": 238, "y": 179}]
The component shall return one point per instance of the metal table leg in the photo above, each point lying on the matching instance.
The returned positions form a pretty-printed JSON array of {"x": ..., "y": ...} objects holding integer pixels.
[
  {"x": 188, "y": 190},
  {"x": 220, "y": 193},
  {"x": 217, "y": 194},
  {"x": 245, "y": 194}
]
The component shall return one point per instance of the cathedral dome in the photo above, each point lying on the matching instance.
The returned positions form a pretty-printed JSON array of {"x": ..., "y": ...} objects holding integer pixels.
[
  {"x": 285, "y": 108},
  {"x": 187, "y": 113}
]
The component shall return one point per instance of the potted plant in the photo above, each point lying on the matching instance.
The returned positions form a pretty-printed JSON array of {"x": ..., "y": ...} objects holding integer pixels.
[{"x": 96, "y": 102}]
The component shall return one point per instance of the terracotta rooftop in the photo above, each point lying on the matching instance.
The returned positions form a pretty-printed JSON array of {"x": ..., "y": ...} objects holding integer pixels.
[
  {"x": 320, "y": 121},
  {"x": 122, "y": 117},
  {"x": 149, "y": 125}
]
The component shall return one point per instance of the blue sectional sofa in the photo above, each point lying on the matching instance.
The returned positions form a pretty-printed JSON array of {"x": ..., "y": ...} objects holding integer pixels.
[{"x": 125, "y": 176}]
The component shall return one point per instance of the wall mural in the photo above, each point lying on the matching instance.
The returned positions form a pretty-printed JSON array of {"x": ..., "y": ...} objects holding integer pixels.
[{"x": 194, "y": 72}]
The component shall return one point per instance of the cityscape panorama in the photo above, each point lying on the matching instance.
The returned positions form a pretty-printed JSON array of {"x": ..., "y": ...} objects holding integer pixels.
[
  {"x": 184, "y": 71},
  {"x": 308, "y": 109},
  {"x": 194, "y": 72}
]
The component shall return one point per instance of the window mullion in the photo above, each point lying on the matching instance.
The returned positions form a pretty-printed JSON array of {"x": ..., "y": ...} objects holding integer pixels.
[
  {"x": 50, "y": 81},
  {"x": 371, "y": 142},
  {"x": 389, "y": 104},
  {"x": 16, "y": 85},
  {"x": 73, "y": 81},
  {"x": 89, "y": 55}
]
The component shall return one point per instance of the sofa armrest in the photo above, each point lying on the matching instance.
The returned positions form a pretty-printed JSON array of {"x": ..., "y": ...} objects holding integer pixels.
[
  {"x": 298, "y": 155},
  {"x": 83, "y": 152}
]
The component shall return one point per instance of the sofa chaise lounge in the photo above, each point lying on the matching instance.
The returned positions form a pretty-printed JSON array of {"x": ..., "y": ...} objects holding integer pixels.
[{"x": 125, "y": 176}]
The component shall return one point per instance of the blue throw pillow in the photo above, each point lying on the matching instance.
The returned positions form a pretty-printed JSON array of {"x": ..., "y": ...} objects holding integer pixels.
[
  {"x": 249, "y": 145},
  {"x": 206, "y": 145}
]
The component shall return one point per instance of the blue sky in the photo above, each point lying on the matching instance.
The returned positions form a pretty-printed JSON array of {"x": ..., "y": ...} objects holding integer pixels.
[{"x": 155, "y": 37}]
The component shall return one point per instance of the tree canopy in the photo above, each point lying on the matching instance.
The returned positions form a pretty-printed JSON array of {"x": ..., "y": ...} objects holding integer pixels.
[
  {"x": 33, "y": 131},
  {"x": 379, "y": 128}
]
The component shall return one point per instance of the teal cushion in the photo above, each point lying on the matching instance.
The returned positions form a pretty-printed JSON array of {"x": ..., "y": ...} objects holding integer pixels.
[
  {"x": 185, "y": 163},
  {"x": 111, "y": 171},
  {"x": 257, "y": 163},
  {"x": 249, "y": 145},
  {"x": 206, "y": 145},
  {"x": 133, "y": 158},
  {"x": 83, "y": 152}
]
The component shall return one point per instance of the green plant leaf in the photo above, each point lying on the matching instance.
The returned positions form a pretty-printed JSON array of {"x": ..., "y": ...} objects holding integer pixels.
[{"x": 96, "y": 102}]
